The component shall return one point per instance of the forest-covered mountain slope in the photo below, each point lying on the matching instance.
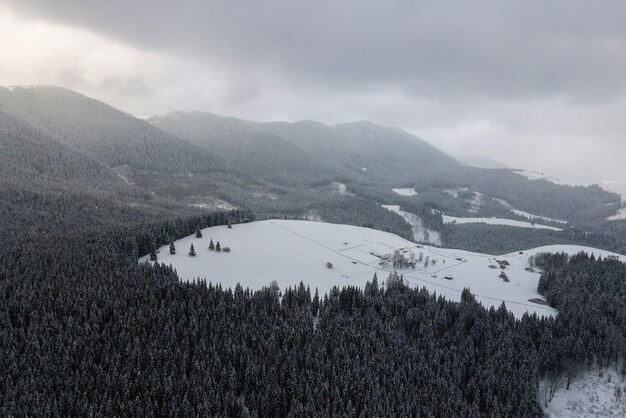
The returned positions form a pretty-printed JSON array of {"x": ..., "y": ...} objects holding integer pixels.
[
  {"x": 301, "y": 170},
  {"x": 104, "y": 133},
  {"x": 251, "y": 148},
  {"x": 49, "y": 130},
  {"x": 369, "y": 161},
  {"x": 33, "y": 159},
  {"x": 359, "y": 151}
]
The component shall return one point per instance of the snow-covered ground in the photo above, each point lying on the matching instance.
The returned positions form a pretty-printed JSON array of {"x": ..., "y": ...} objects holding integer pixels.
[
  {"x": 24, "y": 87},
  {"x": 474, "y": 202},
  {"x": 405, "y": 192},
  {"x": 496, "y": 221},
  {"x": 420, "y": 232},
  {"x": 536, "y": 175},
  {"x": 537, "y": 217},
  {"x": 291, "y": 251},
  {"x": 616, "y": 186},
  {"x": 621, "y": 214},
  {"x": 265, "y": 195},
  {"x": 340, "y": 188},
  {"x": 527, "y": 214},
  {"x": 312, "y": 215},
  {"x": 590, "y": 395},
  {"x": 218, "y": 204}
]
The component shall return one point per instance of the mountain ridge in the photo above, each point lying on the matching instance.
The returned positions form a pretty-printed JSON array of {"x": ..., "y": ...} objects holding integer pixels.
[{"x": 345, "y": 149}]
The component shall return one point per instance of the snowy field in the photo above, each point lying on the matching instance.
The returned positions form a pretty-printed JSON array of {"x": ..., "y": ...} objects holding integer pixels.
[
  {"x": 621, "y": 214},
  {"x": 218, "y": 204},
  {"x": 537, "y": 217},
  {"x": 496, "y": 221},
  {"x": 590, "y": 395},
  {"x": 340, "y": 188},
  {"x": 536, "y": 175},
  {"x": 405, "y": 192},
  {"x": 291, "y": 251},
  {"x": 420, "y": 232},
  {"x": 528, "y": 215}
]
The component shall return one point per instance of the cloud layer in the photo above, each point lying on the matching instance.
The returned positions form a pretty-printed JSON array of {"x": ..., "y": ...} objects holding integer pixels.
[{"x": 540, "y": 85}]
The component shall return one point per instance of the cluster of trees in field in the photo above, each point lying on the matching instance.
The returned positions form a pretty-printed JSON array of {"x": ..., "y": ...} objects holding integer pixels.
[{"x": 217, "y": 247}]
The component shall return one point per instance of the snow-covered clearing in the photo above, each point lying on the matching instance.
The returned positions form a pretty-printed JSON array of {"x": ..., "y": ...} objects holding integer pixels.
[
  {"x": 265, "y": 195},
  {"x": 474, "y": 201},
  {"x": 409, "y": 191},
  {"x": 537, "y": 217},
  {"x": 23, "y": 87},
  {"x": 218, "y": 204},
  {"x": 313, "y": 216},
  {"x": 291, "y": 251},
  {"x": 621, "y": 214},
  {"x": 590, "y": 395},
  {"x": 496, "y": 221},
  {"x": 340, "y": 188},
  {"x": 536, "y": 175},
  {"x": 420, "y": 232},
  {"x": 527, "y": 214}
]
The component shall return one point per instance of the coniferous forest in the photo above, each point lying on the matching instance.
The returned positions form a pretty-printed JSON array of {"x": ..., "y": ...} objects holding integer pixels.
[{"x": 87, "y": 331}]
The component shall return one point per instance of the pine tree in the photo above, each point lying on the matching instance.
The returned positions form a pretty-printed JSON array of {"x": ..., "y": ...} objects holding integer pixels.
[
  {"x": 198, "y": 233},
  {"x": 315, "y": 306},
  {"x": 172, "y": 248},
  {"x": 192, "y": 251},
  {"x": 218, "y": 247},
  {"x": 153, "y": 255},
  {"x": 211, "y": 245},
  {"x": 229, "y": 225}
]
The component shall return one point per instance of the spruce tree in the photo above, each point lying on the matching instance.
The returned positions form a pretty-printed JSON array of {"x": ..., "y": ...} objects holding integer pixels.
[
  {"x": 198, "y": 233},
  {"x": 172, "y": 248},
  {"x": 218, "y": 247},
  {"x": 153, "y": 255},
  {"x": 192, "y": 251},
  {"x": 315, "y": 306},
  {"x": 211, "y": 245}
]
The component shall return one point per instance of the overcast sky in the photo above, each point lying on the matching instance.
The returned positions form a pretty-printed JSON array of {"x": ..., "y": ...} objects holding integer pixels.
[{"x": 539, "y": 85}]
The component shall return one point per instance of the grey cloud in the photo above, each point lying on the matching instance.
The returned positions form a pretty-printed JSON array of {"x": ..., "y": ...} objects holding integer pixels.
[
  {"x": 503, "y": 49},
  {"x": 71, "y": 74},
  {"x": 127, "y": 86}
]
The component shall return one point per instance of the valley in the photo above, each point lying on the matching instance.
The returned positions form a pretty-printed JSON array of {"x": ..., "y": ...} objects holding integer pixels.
[
  {"x": 312, "y": 209},
  {"x": 390, "y": 231},
  {"x": 289, "y": 252}
]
